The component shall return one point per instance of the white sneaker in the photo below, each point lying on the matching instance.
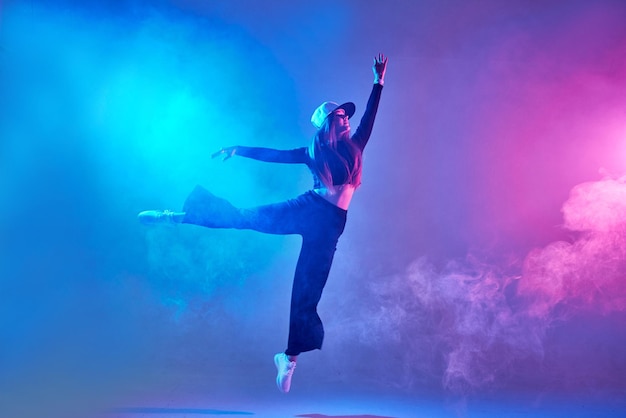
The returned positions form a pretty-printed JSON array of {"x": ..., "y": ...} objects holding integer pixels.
[
  {"x": 159, "y": 217},
  {"x": 285, "y": 371}
]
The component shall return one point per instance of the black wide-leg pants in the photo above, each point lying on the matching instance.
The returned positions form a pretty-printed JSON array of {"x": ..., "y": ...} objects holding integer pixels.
[{"x": 320, "y": 224}]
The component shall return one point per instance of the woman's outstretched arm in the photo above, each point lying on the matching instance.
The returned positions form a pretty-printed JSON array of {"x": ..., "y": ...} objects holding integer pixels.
[
  {"x": 364, "y": 130},
  {"x": 270, "y": 155}
]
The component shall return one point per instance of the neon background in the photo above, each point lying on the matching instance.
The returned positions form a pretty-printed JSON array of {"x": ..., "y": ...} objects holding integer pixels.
[{"x": 484, "y": 258}]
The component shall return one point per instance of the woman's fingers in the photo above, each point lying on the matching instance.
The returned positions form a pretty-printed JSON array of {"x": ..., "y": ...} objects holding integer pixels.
[{"x": 226, "y": 153}]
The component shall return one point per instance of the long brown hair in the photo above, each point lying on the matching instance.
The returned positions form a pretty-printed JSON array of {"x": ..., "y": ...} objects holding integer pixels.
[{"x": 323, "y": 150}]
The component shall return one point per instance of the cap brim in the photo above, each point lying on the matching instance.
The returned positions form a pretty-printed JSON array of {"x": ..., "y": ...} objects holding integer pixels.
[{"x": 349, "y": 108}]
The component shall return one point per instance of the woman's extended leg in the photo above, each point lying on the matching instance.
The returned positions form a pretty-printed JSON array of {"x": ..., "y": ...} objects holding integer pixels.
[
  {"x": 320, "y": 224},
  {"x": 205, "y": 209}
]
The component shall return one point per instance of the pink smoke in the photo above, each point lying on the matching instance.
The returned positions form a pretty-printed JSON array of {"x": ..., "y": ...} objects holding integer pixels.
[
  {"x": 590, "y": 271},
  {"x": 483, "y": 323},
  {"x": 497, "y": 320}
]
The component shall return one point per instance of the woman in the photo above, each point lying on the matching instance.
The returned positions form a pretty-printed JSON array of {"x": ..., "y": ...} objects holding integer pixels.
[{"x": 319, "y": 215}]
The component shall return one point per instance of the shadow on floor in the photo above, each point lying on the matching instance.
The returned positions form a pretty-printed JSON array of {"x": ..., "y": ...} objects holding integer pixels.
[
  {"x": 339, "y": 416},
  {"x": 197, "y": 411}
]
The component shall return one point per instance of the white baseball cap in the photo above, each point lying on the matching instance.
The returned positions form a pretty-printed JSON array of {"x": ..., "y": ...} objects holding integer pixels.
[{"x": 326, "y": 108}]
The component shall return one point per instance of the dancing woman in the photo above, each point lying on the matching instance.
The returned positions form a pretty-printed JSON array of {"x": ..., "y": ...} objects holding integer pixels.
[{"x": 319, "y": 215}]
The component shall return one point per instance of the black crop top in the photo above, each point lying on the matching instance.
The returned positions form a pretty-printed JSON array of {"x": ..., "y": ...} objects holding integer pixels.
[{"x": 301, "y": 155}]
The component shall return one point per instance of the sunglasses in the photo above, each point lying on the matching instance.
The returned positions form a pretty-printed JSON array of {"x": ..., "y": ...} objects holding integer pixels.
[{"x": 337, "y": 115}]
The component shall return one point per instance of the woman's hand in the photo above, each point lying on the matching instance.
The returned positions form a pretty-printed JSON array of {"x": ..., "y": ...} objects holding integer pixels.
[
  {"x": 225, "y": 153},
  {"x": 379, "y": 68}
]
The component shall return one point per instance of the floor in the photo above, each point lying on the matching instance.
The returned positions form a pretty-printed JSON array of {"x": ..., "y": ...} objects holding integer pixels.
[{"x": 335, "y": 402}]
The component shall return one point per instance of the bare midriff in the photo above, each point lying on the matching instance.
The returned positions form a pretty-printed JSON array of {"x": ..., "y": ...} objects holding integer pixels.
[{"x": 340, "y": 196}]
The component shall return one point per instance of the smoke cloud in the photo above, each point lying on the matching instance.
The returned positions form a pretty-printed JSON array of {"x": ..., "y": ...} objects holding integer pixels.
[{"x": 476, "y": 324}]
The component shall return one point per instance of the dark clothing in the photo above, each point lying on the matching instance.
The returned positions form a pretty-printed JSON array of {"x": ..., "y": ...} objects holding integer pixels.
[
  {"x": 319, "y": 222},
  {"x": 301, "y": 155}
]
